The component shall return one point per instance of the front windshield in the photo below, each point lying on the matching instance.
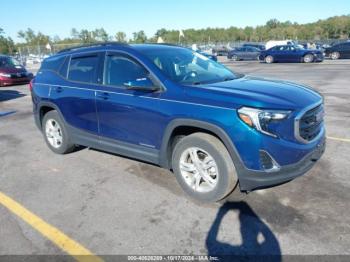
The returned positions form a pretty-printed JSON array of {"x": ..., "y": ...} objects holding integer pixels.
[
  {"x": 185, "y": 66},
  {"x": 9, "y": 62}
]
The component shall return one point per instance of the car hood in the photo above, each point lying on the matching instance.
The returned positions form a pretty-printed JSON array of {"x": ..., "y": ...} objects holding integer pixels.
[
  {"x": 12, "y": 70},
  {"x": 263, "y": 93}
]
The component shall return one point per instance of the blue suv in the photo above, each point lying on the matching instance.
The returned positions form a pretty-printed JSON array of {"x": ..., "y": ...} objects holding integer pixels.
[{"x": 173, "y": 107}]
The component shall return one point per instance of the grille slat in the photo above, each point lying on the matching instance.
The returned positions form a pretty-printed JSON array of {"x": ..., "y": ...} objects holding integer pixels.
[{"x": 310, "y": 123}]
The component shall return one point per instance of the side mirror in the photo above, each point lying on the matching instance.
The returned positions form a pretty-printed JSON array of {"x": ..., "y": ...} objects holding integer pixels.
[{"x": 141, "y": 84}]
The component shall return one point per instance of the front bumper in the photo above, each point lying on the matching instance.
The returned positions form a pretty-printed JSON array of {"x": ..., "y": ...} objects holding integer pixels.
[
  {"x": 14, "y": 81},
  {"x": 251, "y": 179},
  {"x": 318, "y": 57}
]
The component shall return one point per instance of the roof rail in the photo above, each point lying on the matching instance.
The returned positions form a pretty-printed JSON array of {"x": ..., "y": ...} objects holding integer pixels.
[
  {"x": 169, "y": 44},
  {"x": 91, "y": 45}
]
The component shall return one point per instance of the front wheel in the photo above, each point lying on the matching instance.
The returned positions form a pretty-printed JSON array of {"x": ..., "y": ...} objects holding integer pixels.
[
  {"x": 308, "y": 58},
  {"x": 203, "y": 167}
]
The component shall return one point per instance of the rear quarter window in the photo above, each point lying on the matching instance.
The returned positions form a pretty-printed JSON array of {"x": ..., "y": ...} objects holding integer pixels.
[
  {"x": 64, "y": 67},
  {"x": 53, "y": 64}
]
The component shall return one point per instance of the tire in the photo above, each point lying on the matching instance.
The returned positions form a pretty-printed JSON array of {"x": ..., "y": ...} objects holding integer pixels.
[
  {"x": 334, "y": 55},
  {"x": 220, "y": 168},
  {"x": 309, "y": 58},
  {"x": 55, "y": 133},
  {"x": 269, "y": 59},
  {"x": 235, "y": 58}
]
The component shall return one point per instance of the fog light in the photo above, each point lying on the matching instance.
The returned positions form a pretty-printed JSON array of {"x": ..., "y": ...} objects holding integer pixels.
[{"x": 267, "y": 162}]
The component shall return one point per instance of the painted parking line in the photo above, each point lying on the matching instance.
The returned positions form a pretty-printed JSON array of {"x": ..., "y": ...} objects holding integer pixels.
[
  {"x": 57, "y": 237},
  {"x": 338, "y": 139},
  {"x": 5, "y": 113}
]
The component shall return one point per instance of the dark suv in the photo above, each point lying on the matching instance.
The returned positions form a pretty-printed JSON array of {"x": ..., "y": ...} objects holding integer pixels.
[
  {"x": 341, "y": 50},
  {"x": 180, "y": 110}
]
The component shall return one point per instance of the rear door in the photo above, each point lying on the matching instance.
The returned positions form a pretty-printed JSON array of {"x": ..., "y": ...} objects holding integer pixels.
[
  {"x": 75, "y": 97},
  {"x": 294, "y": 54},
  {"x": 252, "y": 53},
  {"x": 246, "y": 54}
]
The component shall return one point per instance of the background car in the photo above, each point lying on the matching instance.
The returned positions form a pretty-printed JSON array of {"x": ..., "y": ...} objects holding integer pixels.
[
  {"x": 12, "y": 72},
  {"x": 290, "y": 53},
  {"x": 221, "y": 50},
  {"x": 258, "y": 46},
  {"x": 244, "y": 53},
  {"x": 337, "y": 51}
]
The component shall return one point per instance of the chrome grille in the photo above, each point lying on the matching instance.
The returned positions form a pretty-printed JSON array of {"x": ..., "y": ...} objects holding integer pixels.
[{"x": 309, "y": 124}]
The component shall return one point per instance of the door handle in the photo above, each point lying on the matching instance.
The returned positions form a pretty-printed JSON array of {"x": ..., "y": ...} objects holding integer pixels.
[
  {"x": 59, "y": 89},
  {"x": 103, "y": 95}
]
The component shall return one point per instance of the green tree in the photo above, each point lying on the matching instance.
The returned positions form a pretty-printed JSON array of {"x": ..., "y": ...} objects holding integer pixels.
[
  {"x": 120, "y": 37},
  {"x": 139, "y": 37},
  {"x": 33, "y": 38},
  {"x": 100, "y": 35},
  {"x": 7, "y": 45}
]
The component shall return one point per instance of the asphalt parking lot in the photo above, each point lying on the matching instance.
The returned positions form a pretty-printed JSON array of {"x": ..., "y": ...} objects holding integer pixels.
[{"x": 113, "y": 205}]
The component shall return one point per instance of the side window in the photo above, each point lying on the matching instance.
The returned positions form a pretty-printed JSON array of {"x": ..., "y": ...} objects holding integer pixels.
[
  {"x": 53, "y": 64},
  {"x": 83, "y": 69},
  {"x": 121, "y": 69}
]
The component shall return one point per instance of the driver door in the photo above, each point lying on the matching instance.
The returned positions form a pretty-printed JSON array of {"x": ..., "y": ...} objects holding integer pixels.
[{"x": 126, "y": 115}]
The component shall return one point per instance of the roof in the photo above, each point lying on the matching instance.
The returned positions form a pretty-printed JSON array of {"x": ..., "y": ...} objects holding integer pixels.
[
  {"x": 97, "y": 46},
  {"x": 145, "y": 47}
]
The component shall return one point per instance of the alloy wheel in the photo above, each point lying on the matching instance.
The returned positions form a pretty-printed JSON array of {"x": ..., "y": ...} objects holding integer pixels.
[
  {"x": 199, "y": 169},
  {"x": 53, "y": 133}
]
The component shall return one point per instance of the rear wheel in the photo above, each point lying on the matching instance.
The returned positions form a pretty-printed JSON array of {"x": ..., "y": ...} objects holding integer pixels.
[
  {"x": 203, "y": 167},
  {"x": 309, "y": 58},
  {"x": 335, "y": 55},
  {"x": 55, "y": 133},
  {"x": 269, "y": 59}
]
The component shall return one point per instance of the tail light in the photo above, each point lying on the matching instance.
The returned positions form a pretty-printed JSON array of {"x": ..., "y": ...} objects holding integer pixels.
[{"x": 31, "y": 85}]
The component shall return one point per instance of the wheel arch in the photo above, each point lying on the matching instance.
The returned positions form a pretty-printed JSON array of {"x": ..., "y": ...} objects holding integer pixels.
[
  {"x": 191, "y": 126},
  {"x": 45, "y": 107}
]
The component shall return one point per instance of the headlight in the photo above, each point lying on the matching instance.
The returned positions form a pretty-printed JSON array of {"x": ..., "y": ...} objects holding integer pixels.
[
  {"x": 260, "y": 119},
  {"x": 5, "y": 75}
]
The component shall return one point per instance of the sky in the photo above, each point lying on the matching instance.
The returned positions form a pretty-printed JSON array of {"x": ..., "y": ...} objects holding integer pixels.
[{"x": 59, "y": 16}]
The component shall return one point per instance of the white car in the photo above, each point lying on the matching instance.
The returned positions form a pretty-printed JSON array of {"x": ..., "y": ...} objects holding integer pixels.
[{"x": 273, "y": 43}]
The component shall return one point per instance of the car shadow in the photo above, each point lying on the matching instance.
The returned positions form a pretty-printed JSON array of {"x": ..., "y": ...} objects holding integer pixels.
[
  {"x": 10, "y": 94},
  {"x": 258, "y": 241}
]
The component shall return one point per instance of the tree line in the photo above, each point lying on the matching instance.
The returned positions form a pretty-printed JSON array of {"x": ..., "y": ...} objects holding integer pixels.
[{"x": 337, "y": 27}]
